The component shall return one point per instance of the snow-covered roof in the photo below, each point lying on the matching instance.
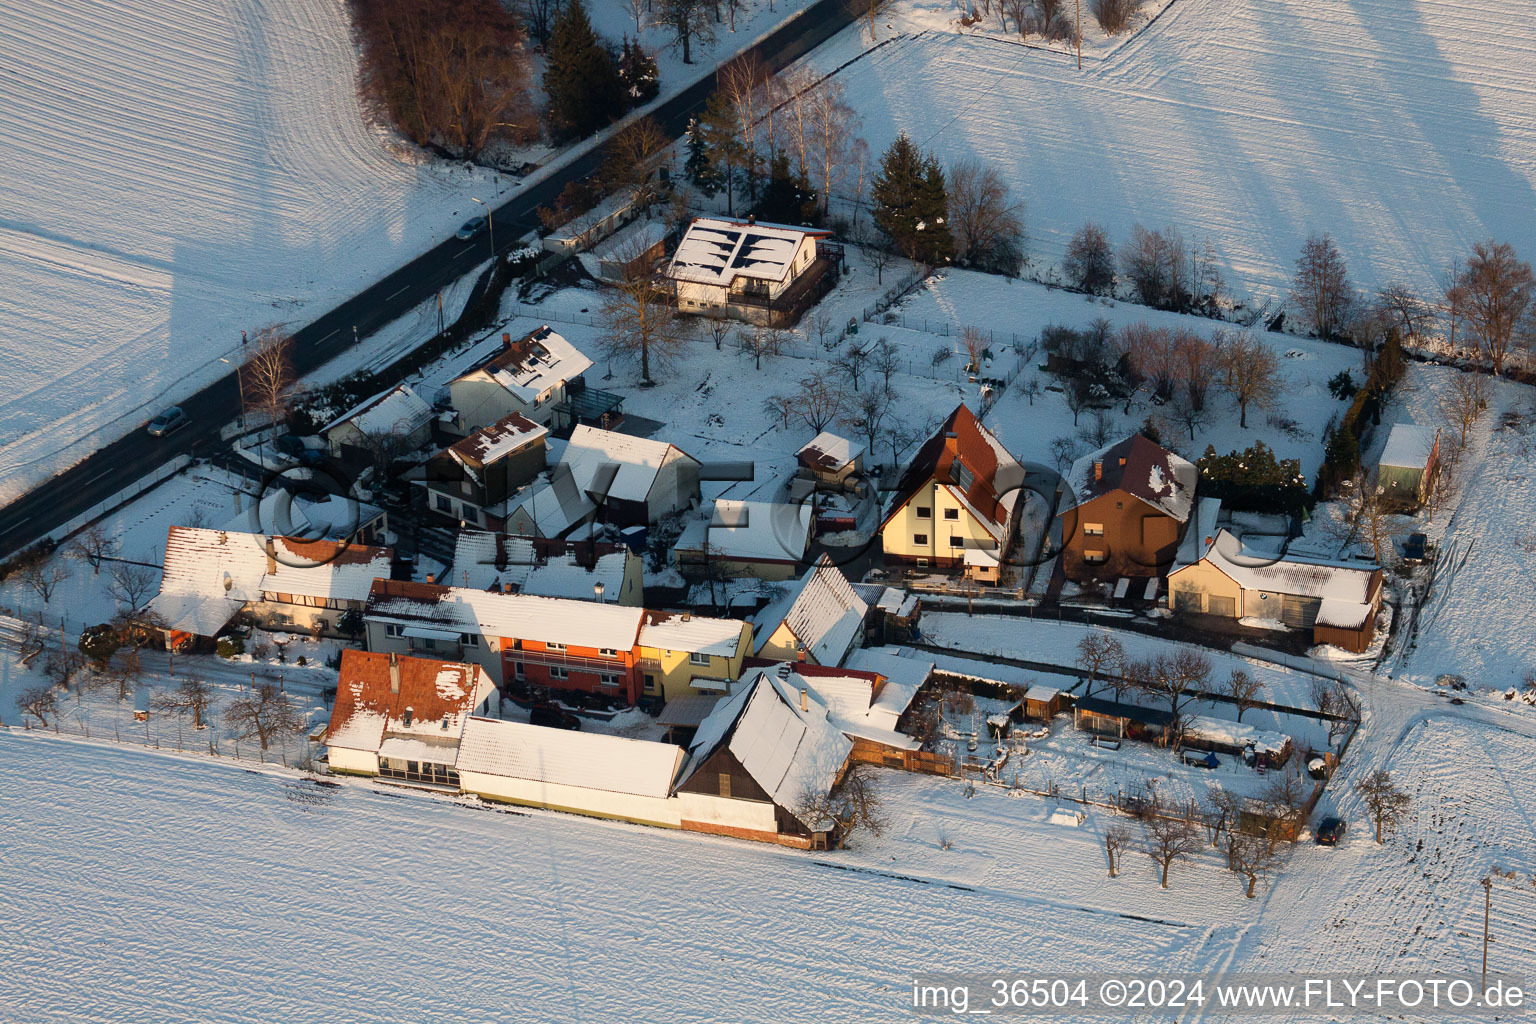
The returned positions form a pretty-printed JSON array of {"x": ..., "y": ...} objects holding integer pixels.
[
  {"x": 382, "y": 695},
  {"x": 1408, "y": 446},
  {"x": 1141, "y": 469},
  {"x": 981, "y": 558},
  {"x": 717, "y": 251},
  {"x": 1290, "y": 574},
  {"x": 485, "y": 561},
  {"x": 1201, "y": 534},
  {"x": 609, "y": 464},
  {"x": 512, "y": 616},
  {"x": 532, "y": 365},
  {"x": 1199, "y": 728},
  {"x": 696, "y": 634},
  {"x": 828, "y": 452},
  {"x": 396, "y": 411},
  {"x": 1041, "y": 693},
  {"x": 750, "y": 531},
  {"x": 488, "y": 444},
  {"x": 323, "y": 568},
  {"x": 1343, "y": 614},
  {"x": 793, "y": 753},
  {"x": 897, "y": 602},
  {"x": 905, "y": 674},
  {"x": 979, "y": 471},
  {"x": 565, "y": 757},
  {"x": 555, "y": 507},
  {"x": 324, "y": 517},
  {"x": 820, "y": 609}
]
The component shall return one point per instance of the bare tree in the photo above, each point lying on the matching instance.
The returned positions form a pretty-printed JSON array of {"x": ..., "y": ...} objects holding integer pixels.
[
  {"x": 823, "y": 323},
  {"x": 1157, "y": 266},
  {"x": 1371, "y": 515},
  {"x": 1385, "y": 801},
  {"x": 1252, "y": 857},
  {"x": 42, "y": 576},
  {"x": 94, "y": 546},
  {"x": 1401, "y": 306},
  {"x": 689, "y": 21},
  {"x": 832, "y": 126},
  {"x": 854, "y": 804},
  {"x": 192, "y": 697},
  {"x": 1222, "y": 812},
  {"x": 1030, "y": 388},
  {"x": 1131, "y": 676},
  {"x": 1114, "y": 17},
  {"x": 635, "y": 158},
  {"x": 1178, "y": 678},
  {"x": 1251, "y": 371},
  {"x": 267, "y": 713},
  {"x": 1064, "y": 450},
  {"x": 1098, "y": 652},
  {"x": 268, "y": 381},
  {"x": 985, "y": 219},
  {"x": 1464, "y": 403},
  {"x": 1166, "y": 840},
  {"x": 877, "y": 256},
  {"x": 639, "y": 315},
  {"x": 63, "y": 666},
  {"x": 131, "y": 584},
  {"x": 764, "y": 341},
  {"x": 719, "y": 330},
  {"x": 1243, "y": 690},
  {"x": 852, "y": 363},
  {"x": 867, "y": 416},
  {"x": 1090, "y": 261},
  {"x": 1320, "y": 290},
  {"x": 39, "y": 702},
  {"x": 818, "y": 402},
  {"x": 885, "y": 361},
  {"x": 1117, "y": 837},
  {"x": 1496, "y": 289},
  {"x": 781, "y": 408}
]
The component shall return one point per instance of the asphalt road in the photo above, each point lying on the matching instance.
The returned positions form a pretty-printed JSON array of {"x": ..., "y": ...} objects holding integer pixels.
[{"x": 114, "y": 467}]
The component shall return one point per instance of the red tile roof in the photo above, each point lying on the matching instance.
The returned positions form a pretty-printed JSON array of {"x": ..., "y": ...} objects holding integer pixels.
[
  {"x": 365, "y": 701},
  {"x": 961, "y": 440}
]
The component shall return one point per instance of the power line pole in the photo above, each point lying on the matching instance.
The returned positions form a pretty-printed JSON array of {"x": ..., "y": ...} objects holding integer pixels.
[
  {"x": 1079, "y": 35},
  {"x": 1487, "y": 884}
]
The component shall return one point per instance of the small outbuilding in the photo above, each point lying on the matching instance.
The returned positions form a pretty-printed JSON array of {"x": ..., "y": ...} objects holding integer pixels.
[{"x": 1408, "y": 463}]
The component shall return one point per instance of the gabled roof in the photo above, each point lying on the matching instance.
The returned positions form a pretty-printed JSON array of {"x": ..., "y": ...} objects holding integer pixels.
[
  {"x": 554, "y": 507},
  {"x": 561, "y": 757},
  {"x": 793, "y": 753},
  {"x": 438, "y": 694},
  {"x": 1291, "y": 574},
  {"x": 488, "y": 561},
  {"x": 751, "y": 531},
  {"x": 862, "y": 703},
  {"x": 533, "y": 364},
  {"x": 488, "y": 444},
  {"x": 396, "y": 411},
  {"x": 1139, "y": 468},
  {"x": 820, "y": 609},
  {"x": 695, "y": 634},
  {"x": 984, "y": 476},
  {"x": 717, "y": 251},
  {"x": 513, "y": 616},
  {"x": 1408, "y": 446},
  {"x": 325, "y": 568},
  {"x": 605, "y": 463},
  {"x": 828, "y": 452}
]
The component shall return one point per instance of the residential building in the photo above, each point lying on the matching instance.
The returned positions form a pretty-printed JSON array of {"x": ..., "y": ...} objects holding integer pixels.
[
  {"x": 390, "y": 424},
  {"x": 817, "y": 619},
  {"x": 529, "y": 376},
  {"x": 865, "y": 703},
  {"x": 402, "y": 718},
  {"x": 632, "y": 480},
  {"x": 1408, "y": 464},
  {"x": 1337, "y": 601},
  {"x": 581, "y": 570},
  {"x": 764, "y": 539},
  {"x": 767, "y": 274},
  {"x": 962, "y": 490},
  {"x": 471, "y": 480},
  {"x": 211, "y": 576},
  {"x": 1124, "y": 510},
  {"x": 681, "y": 653}
]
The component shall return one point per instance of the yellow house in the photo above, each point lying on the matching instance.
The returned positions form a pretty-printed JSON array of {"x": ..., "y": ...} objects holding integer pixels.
[
  {"x": 679, "y": 654},
  {"x": 959, "y": 494},
  {"x": 817, "y": 620}
]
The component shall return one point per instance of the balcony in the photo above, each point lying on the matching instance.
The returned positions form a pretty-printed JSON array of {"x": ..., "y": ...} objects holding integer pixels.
[{"x": 574, "y": 662}]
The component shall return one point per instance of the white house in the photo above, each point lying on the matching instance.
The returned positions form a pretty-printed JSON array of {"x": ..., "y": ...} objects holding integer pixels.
[
  {"x": 745, "y": 270},
  {"x": 634, "y": 480},
  {"x": 529, "y": 376},
  {"x": 817, "y": 619},
  {"x": 765, "y": 539},
  {"x": 398, "y": 418},
  {"x": 402, "y": 717}
]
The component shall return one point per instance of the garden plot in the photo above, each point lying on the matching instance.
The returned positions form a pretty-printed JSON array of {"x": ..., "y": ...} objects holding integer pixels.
[{"x": 1408, "y": 130}]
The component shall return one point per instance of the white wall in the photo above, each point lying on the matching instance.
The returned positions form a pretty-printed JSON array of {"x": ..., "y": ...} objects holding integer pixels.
[
  {"x": 602, "y": 803},
  {"x": 756, "y": 815},
  {"x": 344, "y": 759}
]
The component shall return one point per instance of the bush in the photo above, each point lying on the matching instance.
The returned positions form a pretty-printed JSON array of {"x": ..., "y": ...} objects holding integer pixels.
[
  {"x": 1253, "y": 480},
  {"x": 1114, "y": 16},
  {"x": 1342, "y": 386},
  {"x": 231, "y": 646}
]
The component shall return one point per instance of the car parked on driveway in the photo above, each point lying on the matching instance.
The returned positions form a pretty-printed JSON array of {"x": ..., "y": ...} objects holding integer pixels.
[
  {"x": 1329, "y": 831},
  {"x": 471, "y": 228},
  {"x": 553, "y": 716},
  {"x": 169, "y": 421}
]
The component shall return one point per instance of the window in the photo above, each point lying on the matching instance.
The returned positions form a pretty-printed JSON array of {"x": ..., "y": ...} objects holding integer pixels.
[
  {"x": 1094, "y": 557},
  {"x": 957, "y": 542},
  {"x": 608, "y": 679},
  {"x": 698, "y": 659},
  {"x": 951, "y": 513},
  {"x": 517, "y": 670},
  {"x": 469, "y": 514},
  {"x": 554, "y": 647},
  {"x": 725, "y": 784},
  {"x": 650, "y": 682},
  {"x": 608, "y": 652},
  {"x": 469, "y": 639},
  {"x": 924, "y": 513},
  {"x": 1093, "y": 529},
  {"x": 393, "y": 629},
  {"x": 444, "y": 504},
  {"x": 919, "y": 538},
  {"x": 556, "y": 672},
  {"x": 922, "y": 563}
]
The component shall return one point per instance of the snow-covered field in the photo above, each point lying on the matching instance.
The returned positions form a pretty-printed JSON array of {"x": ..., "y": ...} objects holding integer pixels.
[{"x": 1407, "y": 128}]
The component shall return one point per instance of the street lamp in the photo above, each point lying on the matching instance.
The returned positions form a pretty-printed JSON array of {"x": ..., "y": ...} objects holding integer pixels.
[
  {"x": 239, "y": 382},
  {"x": 597, "y": 588},
  {"x": 489, "y": 223}
]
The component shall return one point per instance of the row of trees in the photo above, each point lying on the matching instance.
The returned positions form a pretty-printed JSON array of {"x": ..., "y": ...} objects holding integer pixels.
[
  {"x": 1161, "y": 269},
  {"x": 588, "y": 82}
]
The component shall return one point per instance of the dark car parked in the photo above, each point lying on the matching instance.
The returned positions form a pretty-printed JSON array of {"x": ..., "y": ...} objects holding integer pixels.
[
  {"x": 553, "y": 716},
  {"x": 1329, "y": 831}
]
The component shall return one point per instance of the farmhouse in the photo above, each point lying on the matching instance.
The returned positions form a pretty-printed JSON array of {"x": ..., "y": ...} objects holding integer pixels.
[
  {"x": 1408, "y": 463},
  {"x": 211, "y": 576},
  {"x": 580, "y": 570},
  {"x": 759, "y": 764},
  {"x": 471, "y": 480},
  {"x": 1124, "y": 511},
  {"x": 764, "y": 539},
  {"x": 392, "y": 422},
  {"x": 960, "y": 492},
  {"x": 766, "y": 274},
  {"x": 1337, "y": 601},
  {"x": 816, "y": 619},
  {"x": 401, "y": 717},
  {"x": 865, "y": 704},
  {"x": 530, "y": 376}
]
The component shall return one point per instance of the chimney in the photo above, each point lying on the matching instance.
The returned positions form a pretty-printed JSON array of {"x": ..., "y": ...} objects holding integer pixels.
[
  {"x": 687, "y": 616},
  {"x": 1122, "y": 460},
  {"x": 1209, "y": 541},
  {"x": 271, "y": 557},
  {"x": 506, "y": 340},
  {"x": 431, "y": 577},
  {"x": 1098, "y": 471},
  {"x": 751, "y": 219},
  {"x": 394, "y": 673},
  {"x": 409, "y": 712},
  {"x": 784, "y": 670},
  {"x": 506, "y": 588},
  {"x": 805, "y": 700}
]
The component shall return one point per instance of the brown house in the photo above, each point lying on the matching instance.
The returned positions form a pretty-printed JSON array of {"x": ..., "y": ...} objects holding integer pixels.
[
  {"x": 471, "y": 480},
  {"x": 1124, "y": 511}
]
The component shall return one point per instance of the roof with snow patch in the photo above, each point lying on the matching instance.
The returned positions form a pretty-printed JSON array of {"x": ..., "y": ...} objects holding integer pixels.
[
  {"x": 717, "y": 251},
  {"x": 396, "y": 411},
  {"x": 610, "y": 464},
  {"x": 439, "y": 695},
  {"x": 1291, "y": 574},
  {"x": 507, "y": 435},
  {"x": 696, "y": 634},
  {"x": 513, "y": 616},
  {"x": 979, "y": 471},
  {"x": 828, "y": 452},
  {"x": 1140, "y": 468},
  {"x": 564, "y": 757},
  {"x": 532, "y": 365},
  {"x": 1408, "y": 446},
  {"x": 750, "y": 531}
]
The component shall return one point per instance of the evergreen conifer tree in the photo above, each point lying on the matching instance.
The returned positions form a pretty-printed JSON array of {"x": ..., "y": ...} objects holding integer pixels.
[
  {"x": 580, "y": 79},
  {"x": 637, "y": 73},
  {"x": 911, "y": 205}
]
